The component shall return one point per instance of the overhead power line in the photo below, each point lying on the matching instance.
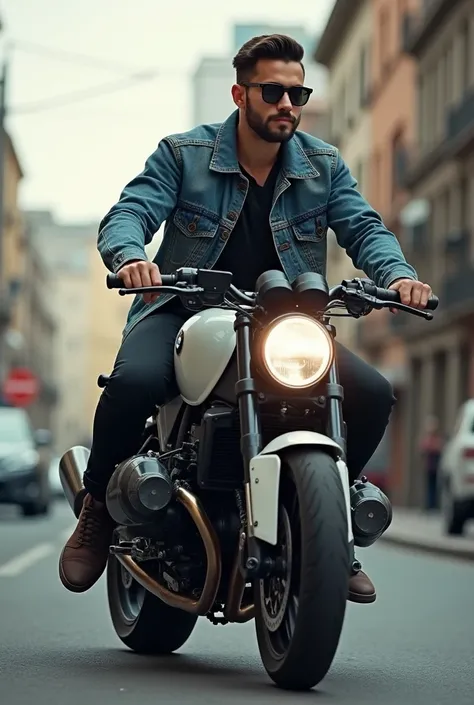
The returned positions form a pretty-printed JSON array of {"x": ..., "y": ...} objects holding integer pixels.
[
  {"x": 64, "y": 55},
  {"x": 81, "y": 96},
  {"x": 131, "y": 77}
]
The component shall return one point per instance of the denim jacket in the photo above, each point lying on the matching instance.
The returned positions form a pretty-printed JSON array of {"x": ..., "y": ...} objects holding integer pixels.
[{"x": 194, "y": 183}]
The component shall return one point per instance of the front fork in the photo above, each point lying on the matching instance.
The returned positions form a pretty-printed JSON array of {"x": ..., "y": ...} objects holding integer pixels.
[{"x": 258, "y": 563}]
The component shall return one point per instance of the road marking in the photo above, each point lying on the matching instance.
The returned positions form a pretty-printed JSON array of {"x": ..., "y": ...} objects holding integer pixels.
[{"x": 25, "y": 560}]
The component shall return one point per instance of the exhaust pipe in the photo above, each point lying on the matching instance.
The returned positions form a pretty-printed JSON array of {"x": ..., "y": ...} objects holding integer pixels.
[{"x": 71, "y": 470}]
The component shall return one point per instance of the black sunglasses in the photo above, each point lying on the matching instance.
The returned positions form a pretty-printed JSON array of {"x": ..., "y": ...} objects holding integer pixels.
[{"x": 273, "y": 92}]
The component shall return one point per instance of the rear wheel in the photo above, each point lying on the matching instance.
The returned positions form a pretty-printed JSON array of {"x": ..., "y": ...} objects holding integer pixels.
[
  {"x": 300, "y": 614},
  {"x": 142, "y": 621}
]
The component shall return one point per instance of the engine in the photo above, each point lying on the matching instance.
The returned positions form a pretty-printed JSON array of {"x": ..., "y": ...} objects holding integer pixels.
[
  {"x": 371, "y": 512},
  {"x": 139, "y": 489}
]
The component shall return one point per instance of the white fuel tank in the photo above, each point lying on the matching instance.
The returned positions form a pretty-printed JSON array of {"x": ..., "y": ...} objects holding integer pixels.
[{"x": 203, "y": 348}]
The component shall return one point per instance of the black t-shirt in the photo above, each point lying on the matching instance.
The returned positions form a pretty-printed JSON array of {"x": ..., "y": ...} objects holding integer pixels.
[{"x": 251, "y": 249}]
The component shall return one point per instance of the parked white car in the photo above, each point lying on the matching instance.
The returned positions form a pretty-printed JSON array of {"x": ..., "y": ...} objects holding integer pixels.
[{"x": 457, "y": 472}]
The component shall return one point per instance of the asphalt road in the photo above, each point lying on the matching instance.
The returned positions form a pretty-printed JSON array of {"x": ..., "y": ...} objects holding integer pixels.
[{"x": 415, "y": 645}]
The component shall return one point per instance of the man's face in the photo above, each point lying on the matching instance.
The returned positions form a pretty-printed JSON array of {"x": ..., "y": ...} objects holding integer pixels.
[{"x": 272, "y": 122}]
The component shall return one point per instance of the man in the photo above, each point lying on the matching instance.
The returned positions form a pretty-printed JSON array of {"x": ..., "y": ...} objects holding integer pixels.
[{"x": 248, "y": 195}]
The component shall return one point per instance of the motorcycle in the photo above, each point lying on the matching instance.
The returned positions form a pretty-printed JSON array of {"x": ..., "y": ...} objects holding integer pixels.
[{"x": 238, "y": 504}]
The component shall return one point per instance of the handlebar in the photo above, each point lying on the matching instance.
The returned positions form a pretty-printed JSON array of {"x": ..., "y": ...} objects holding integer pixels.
[
  {"x": 114, "y": 282},
  {"x": 369, "y": 288},
  {"x": 209, "y": 284}
]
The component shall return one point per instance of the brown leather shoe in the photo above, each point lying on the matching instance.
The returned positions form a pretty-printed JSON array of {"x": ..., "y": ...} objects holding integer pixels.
[
  {"x": 84, "y": 557},
  {"x": 361, "y": 588}
]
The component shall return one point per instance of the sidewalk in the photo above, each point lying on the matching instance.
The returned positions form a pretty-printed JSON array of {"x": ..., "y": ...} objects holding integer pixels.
[{"x": 414, "y": 529}]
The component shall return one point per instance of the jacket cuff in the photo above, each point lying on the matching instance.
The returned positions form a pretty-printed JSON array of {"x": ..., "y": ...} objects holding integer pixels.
[
  {"x": 393, "y": 276},
  {"x": 127, "y": 256}
]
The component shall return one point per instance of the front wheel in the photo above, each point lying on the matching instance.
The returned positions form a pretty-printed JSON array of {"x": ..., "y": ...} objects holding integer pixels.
[{"x": 300, "y": 614}]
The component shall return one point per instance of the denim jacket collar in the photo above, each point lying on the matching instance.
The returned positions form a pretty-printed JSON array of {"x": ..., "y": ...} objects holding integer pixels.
[{"x": 295, "y": 163}]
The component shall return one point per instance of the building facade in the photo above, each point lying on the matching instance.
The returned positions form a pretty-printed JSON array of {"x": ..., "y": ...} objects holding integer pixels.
[
  {"x": 393, "y": 128},
  {"x": 65, "y": 251},
  {"x": 344, "y": 49},
  {"x": 11, "y": 256},
  {"x": 419, "y": 148},
  {"x": 439, "y": 221}
]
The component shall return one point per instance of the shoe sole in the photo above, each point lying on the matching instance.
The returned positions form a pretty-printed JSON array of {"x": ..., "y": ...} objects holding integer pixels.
[
  {"x": 70, "y": 586},
  {"x": 362, "y": 599}
]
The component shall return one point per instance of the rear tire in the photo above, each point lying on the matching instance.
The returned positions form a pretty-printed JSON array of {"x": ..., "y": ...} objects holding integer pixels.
[
  {"x": 298, "y": 652},
  {"x": 143, "y": 622}
]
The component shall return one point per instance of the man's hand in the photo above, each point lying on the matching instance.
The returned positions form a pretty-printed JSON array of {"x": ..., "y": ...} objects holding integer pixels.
[
  {"x": 412, "y": 293},
  {"x": 141, "y": 273}
]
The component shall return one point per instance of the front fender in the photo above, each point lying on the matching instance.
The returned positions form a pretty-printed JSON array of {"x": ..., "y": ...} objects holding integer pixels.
[
  {"x": 301, "y": 438},
  {"x": 264, "y": 487}
]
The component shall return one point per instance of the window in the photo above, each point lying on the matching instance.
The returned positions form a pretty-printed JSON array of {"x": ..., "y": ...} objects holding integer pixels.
[
  {"x": 384, "y": 39},
  {"x": 466, "y": 50},
  {"x": 364, "y": 76},
  {"x": 399, "y": 163}
]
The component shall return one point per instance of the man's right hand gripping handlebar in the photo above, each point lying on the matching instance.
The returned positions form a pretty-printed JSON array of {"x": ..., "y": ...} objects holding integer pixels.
[{"x": 140, "y": 273}]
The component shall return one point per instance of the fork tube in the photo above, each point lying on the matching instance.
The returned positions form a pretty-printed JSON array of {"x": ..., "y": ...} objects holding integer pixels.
[
  {"x": 247, "y": 396},
  {"x": 335, "y": 396}
]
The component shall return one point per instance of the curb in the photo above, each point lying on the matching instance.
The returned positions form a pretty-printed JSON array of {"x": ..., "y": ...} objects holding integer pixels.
[{"x": 464, "y": 553}]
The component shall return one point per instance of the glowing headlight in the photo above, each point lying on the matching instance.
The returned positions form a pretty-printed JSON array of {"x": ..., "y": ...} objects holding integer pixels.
[{"x": 297, "y": 351}]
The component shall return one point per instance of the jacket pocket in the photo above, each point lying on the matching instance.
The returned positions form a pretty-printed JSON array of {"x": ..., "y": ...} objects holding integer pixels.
[
  {"x": 313, "y": 229},
  {"x": 191, "y": 235},
  {"x": 310, "y": 241}
]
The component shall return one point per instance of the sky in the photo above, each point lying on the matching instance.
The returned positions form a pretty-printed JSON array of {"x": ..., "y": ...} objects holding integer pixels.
[{"x": 78, "y": 157}]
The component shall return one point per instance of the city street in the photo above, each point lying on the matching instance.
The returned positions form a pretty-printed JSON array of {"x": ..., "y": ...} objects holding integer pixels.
[{"x": 415, "y": 645}]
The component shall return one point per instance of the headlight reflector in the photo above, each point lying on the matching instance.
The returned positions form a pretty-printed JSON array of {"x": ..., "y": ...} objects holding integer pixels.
[{"x": 297, "y": 351}]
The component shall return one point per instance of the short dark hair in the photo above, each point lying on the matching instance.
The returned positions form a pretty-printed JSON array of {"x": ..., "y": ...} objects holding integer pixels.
[{"x": 267, "y": 46}]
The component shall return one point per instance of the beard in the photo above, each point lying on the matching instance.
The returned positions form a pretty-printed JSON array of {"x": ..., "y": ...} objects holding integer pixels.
[{"x": 268, "y": 129}]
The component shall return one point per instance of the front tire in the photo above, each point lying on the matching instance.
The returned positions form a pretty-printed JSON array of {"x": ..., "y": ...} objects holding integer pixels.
[
  {"x": 143, "y": 622},
  {"x": 298, "y": 636}
]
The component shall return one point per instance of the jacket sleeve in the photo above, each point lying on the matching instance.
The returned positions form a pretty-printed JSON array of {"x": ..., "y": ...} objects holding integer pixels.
[
  {"x": 360, "y": 231},
  {"x": 144, "y": 204}
]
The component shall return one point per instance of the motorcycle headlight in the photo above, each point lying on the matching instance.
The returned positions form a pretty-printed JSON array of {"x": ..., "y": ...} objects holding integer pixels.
[{"x": 297, "y": 351}]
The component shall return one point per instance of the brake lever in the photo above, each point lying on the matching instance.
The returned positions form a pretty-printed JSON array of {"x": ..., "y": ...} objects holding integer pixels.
[
  {"x": 427, "y": 315},
  {"x": 179, "y": 291}
]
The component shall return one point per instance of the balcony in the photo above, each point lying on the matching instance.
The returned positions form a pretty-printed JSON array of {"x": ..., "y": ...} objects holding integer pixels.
[
  {"x": 423, "y": 27},
  {"x": 458, "y": 138},
  {"x": 460, "y": 124},
  {"x": 457, "y": 292},
  {"x": 408, "y": 31}
]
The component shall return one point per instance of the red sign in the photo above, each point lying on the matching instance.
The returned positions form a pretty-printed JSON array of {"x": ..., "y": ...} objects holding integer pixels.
[{"x": 21, "y": 387}]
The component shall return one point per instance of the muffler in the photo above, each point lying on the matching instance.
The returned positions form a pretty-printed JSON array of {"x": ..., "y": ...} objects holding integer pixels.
[{"x": 71, "y": 470}]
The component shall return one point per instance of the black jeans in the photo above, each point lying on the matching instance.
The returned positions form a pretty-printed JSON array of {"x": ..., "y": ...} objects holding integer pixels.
[{"x": 143, "y": 376}]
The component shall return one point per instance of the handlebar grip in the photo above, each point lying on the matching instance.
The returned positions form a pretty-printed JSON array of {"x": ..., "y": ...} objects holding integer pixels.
[
  {"x": 115, "y": 282},
  {"x": 391, "y": 295}
]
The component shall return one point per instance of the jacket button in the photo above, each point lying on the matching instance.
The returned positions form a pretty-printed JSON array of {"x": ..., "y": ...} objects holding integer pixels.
[
  {"x": 192, "y": 227},
  {"x": 232, "y": 215},
  {"x": 320, "y": 230},
  {"x": 225, "y": 235}
]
